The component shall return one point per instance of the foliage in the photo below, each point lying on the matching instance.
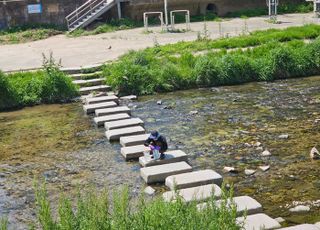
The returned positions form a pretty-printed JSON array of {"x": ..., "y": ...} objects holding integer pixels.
[
  {"x": 49, "y": 85},
  {"x": 3, "y": 224},
  {"x": 98, "y": 211},
  {"x": 150, "y": 71},
  {"x": 25, "y": 33}
]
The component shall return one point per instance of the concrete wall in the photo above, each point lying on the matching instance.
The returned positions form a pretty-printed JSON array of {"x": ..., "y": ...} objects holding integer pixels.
[{"x": 54, "y": 12}]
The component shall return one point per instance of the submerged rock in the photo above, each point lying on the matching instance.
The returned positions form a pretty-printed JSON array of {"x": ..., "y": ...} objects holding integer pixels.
[
  {"x": 249, "y": 172},
  {"x": 230, "y": 169},
  {"x": 193, "y": 112},
  {"x": 149, "y": 191},
  {"x": 280, "y": 220},
  {"x": 257, "y": 144},
  {"x": 266, "y": 153},
  {"x": 284, "y": 136},
  {"x": 314, "y": 153},
  {"x": 300, "y": 208},
  {"x": 264, "y": 168}
]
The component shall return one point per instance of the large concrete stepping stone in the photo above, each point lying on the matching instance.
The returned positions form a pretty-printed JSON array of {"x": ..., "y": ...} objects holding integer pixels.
[
  {"x": 258, "y": 221},
  {"x": 243, "y": 204},
  {"x": 170, "y": 157},
  {"x": 92, "y": 108},
  {"x": 98, "y": 88},
  {"x": 159, "y": 173},
  {"x": 111, "y": 111},
  {"x": 198, "y": 193},
  {"x": 193, "y": 179},
  {"x": 133, "y": 152},
  {"x": 133, "y": 140},
  {"x": 115, "y": 134},
  {"x": 123, "y": 123},
  {"x": 99, "y": 121},
  {"x": 94, "y": 100},
  {"x": 302, "y": 227},
  {"x": 89, "y": 82}
]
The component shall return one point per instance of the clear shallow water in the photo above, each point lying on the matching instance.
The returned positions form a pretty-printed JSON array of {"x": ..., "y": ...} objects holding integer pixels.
[{"x": 59, "y": 143}]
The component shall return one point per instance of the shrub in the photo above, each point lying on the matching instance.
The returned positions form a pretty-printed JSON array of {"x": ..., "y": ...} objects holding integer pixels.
[
  {"x": 97, "y": 211},
  {"x": 7, "y": 95}
]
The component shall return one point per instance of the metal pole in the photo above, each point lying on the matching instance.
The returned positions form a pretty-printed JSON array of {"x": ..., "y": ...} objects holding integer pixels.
[{"x": 166, "y": 13}]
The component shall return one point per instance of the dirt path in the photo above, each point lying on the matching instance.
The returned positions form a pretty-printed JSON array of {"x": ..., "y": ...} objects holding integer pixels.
[{"x": 82, "y": 51}]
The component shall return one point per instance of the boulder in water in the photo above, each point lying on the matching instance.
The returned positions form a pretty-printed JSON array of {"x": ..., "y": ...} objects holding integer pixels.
[
  {"x": 314, "y": 153},
  {"x": 249, "y": 172}
]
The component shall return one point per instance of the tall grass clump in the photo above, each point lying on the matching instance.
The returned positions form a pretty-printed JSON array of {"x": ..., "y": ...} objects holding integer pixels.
[
  {"x": 99, "y": 211},
  {"x": 144, "y": 73},
  {"x": 49, "y": 85}
]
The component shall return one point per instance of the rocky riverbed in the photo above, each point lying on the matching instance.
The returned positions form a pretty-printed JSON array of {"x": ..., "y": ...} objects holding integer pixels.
[{"x": 244, "y": 127}]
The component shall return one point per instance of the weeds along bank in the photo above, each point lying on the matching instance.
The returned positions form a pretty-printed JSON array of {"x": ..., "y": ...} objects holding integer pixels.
[
  {"x": 49, "y": 85},
  {"x": 278, "y": 54}
]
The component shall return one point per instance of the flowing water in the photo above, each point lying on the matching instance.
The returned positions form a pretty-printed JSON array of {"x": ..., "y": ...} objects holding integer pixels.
[{"x": 60, "y": 144}]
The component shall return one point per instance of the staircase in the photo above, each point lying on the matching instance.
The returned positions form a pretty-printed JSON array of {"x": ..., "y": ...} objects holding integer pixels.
[{"x": 88, "y": 12}]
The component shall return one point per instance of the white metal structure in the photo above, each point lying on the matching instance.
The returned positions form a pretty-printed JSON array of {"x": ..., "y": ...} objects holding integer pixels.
[
  {"x": 273, "y": 5},
  {"x": 187, "y": 15},
  {"x": 88, "y": 12},
  {"x": 316, "y": 6},
  {"x": 145, "y": 19}
]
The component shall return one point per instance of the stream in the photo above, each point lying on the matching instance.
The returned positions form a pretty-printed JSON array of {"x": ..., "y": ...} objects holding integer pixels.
[{"x": 216, "y": 127}]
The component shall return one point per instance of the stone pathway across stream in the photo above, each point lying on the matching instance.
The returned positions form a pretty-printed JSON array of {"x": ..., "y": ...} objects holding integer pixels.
[{"x": 175, "y": 171}]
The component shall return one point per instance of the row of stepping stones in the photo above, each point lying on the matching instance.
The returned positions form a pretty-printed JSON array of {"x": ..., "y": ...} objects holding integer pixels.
[{"x": 174, "y": 171}]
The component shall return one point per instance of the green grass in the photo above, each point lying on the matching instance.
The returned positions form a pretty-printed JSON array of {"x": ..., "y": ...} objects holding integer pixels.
[
  {"x": 28, "y": 33},
  {"x": 31, "y": 88},
  {"x": 98, "y": 211},
  {"x": 278, "y": 54}
]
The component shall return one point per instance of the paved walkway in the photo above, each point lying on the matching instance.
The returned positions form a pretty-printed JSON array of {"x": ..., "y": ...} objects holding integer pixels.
[{"x": 82, "y": 51}]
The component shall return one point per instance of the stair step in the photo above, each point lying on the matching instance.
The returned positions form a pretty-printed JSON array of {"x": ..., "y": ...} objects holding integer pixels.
[
  {"x": 159, "y": 173},
  {"x": 133, "y": 152},
  {"x": 199, "y": 193},
  {"x": 95, "y": 100},
  {"x": 133, "y": 140},
  {"x": 99, "y": 121},
  {"x": 115, "y": 134},
  {"x": 244, "y": 204},
  {"x": 85, "y": 76},
  {"x": 92, "y": 108},
  {"x": 89, "y": 82},
  {"x": 258, "y": 221},
  {"x": 170, "y": 157},
  {"x": 111, "y": 111},
  {"x": 123, "y": 123},
  {"x": 193, "y": 179},
  {"x": 87, "y": 90},
  {"x": 302, "y": 227}
]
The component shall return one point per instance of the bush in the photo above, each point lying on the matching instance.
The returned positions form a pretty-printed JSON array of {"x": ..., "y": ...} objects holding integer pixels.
[
  {"x": 31, "y": 88},
  {"x": 95, "y": 211}
]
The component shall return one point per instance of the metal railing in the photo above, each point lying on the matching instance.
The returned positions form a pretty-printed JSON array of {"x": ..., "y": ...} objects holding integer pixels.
[{"x": 84, "y": 10}]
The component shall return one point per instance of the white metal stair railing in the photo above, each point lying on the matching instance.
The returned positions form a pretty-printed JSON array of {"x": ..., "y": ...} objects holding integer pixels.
[{"x": 88, "y": 12}]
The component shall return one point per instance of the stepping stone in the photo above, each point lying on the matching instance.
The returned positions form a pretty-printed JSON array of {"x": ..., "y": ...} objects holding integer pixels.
[
  {"x": 123, "y": 123},
  {"x": 199, "y": 193},
  {"x": 89, "y": 82},
  {"x": 302, "y": 227},
  {"x": 133, "y": 140},
  {"x": 130, "y": 97},
  {"x": 133, "y": 152},
  {"x": 159, "y": 173},
  {"x": 193, "y": 179},
  {"x": 243, "y": 204},
  {"x": 170, "y": 157},
  {"x": 95, "y": 100},
  {"x": 111, "y": 111},
  {"x": 115, "y": 134},
  {"x": 92, "y": 108},
  {"x": 80, "y": 76},
  {"x": 99, "y": 121},
  {"x": 87, "y": 90},
  {"x": 258, "y": 221}
]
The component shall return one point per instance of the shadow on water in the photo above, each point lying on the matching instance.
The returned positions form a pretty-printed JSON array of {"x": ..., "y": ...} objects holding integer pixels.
[{"x": 217, "y": 127}]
